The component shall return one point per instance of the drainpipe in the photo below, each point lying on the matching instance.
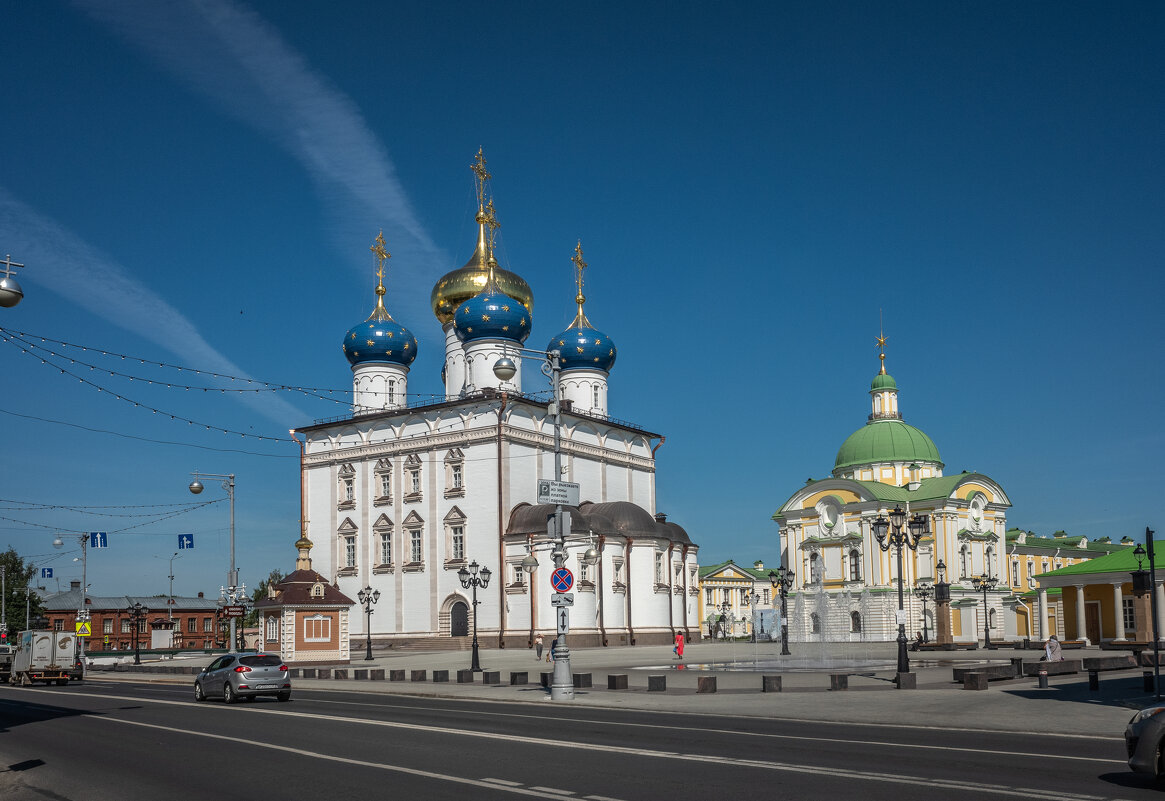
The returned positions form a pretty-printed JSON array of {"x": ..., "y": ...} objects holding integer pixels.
[
  {"x": 684, "y": 604},
  {"x": 530, "y": 590},
  {"x": 501, "y": 538},
  {"x": 671, "y": 603},
  {"x": 627, "y": 562},
  {"x": 602, "y": 600}
]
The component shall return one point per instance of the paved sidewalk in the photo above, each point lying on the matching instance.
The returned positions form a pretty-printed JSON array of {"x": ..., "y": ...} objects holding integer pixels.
[{"x": 1067, "y": 707}]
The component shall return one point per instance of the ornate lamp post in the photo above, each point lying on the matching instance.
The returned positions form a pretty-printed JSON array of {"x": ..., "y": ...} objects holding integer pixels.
[
  {"x": 10, "y": 291},
  {"x": 1140, "y": 553},
  {"x": 233, "y": 592},
  {"x": 137, "y": 614},
  {"x": 923, "y": 591},
  {"x": 368, "y": 597},
  {"x": 782, "y": 580},
  {"x": 472, "y": 579},
  {"x": 985, "y": 582},
  {"x": 900, "y": 537},
  {"x": 942, "y": 605}
]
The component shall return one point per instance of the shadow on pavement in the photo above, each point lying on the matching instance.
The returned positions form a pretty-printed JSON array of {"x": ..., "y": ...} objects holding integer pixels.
[
  {"x": 1128, "y": 692},
  {"x": 1133, "y": 780},
  {"x": 19, "y": 713}
]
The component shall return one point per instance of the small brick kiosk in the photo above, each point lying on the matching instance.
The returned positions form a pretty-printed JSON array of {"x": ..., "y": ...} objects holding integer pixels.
[{"x": 304, "y": 617}]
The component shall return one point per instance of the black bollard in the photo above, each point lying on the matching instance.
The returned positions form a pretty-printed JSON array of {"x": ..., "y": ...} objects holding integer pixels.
[
  {"x": 1043, "y": 675},
  {"x": 1093, "y": 680},
  {"x": 1147, "y": 677}
]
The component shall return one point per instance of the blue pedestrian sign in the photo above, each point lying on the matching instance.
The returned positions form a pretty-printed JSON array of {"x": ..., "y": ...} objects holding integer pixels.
[
  {"x": 185, "y": 541},
  {"x": 46, "y": 572},
  {"x": 97, "y": 539},
  {"x": 562, "y": 580}
]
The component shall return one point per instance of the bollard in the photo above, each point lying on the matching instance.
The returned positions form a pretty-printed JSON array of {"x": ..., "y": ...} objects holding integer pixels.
[
  {"x": 1017, "y": 663},
  {"x": 581, "y": 680},
  {"x": 1093, "y": 680},
  {"x": 376, "y": 674},
  {"x": 440, "y": 675},
  {"x": 419, "y": 675},
  {"x": 617, "y": 681},
  {"x": 657, "y": 684},
  {"x": 465, "y": 676},
  {"x": 1147, "y": 677},
  {"x": 396, "y": 675},
  {"x": 518, "y": 677},
  {"x": 491, "y": 677},
  {"x": 360, "y": 674},
  {"x": 906, "y": 681},
  {"x": 323, "y": 673},
  {"x": 1043, "y": 675},
  {"x": 340, "y": 673},
  {"x": 706, "y": 684},
  {"x": 546, "y": 678},
  {"x": 838, "y": 681},
  {"x": 974, "y": 680},
  {"x": 770, "y": 684}
]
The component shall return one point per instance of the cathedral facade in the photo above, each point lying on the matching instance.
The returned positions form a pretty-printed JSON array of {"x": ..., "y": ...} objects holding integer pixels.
[
  {"x": 845, "y": 585},
  {"x": 402, "y": 495}
]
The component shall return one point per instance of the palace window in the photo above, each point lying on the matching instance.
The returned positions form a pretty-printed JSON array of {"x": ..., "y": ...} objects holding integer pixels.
[
  {"x": 595, "y": 396},
  {"x": 347, "y": 477},
  {"x": 454, "y": 473},
  {"x": 855, "y": 565},
  {"x": 386, "y": 547},
  {"x": 455, "y": 547},
  {"x": 272, "y": 628},
  {"x": 415, "y": 545},
  {"x": 1015, "y": 572},
  {"x": 658, "y": 568},
  {"x": 383, "y": 477},
  {"x": 519, "y": 575},
  {"x": 1129, "y": 612},
  {"x": 708, "y": 596},
  {"x": 744, "y": 600},
  {"x": 855, "y": 622},
  {"x": 350, "y": 551},
  {"x": 767, "y": 596},
  {"x": 965, "y": 560},
  {"x": 814, "y": 623},
  {"x": 1031, "y": 573},
  {"x": 457, "y": 535},
  {"x": 413, "y": 484}
]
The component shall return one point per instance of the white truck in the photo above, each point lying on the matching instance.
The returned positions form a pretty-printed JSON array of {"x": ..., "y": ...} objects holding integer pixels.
[{"x": 48, "y": 656}]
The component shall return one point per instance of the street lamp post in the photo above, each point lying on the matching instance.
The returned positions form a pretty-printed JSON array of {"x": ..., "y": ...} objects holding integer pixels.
[
  {"x": 562, "y": 684},
  {"x": 900, "y": 537},
  {"x": 368, "y": 597},
  {"x": 231, "y": 593},
  {"x": 753, "y": 599},
  {"x": 782, "y": 580},
  {"x": 985, "y": 582},
  {"x": 923, "y": 591},
  {"x": 1140, "y": 553},
  {"x": 471, "y": 579},
  {"x": 10, "y": 291},
  {"x": 137, "y": 614}
]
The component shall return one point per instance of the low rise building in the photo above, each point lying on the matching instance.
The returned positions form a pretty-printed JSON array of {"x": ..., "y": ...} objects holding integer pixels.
[{"x": 735, "y": 600}]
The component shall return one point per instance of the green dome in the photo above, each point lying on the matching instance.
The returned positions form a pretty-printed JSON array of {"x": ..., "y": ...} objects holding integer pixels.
[
  {"x": 886, "y": 441},
  {"x": 883, "y": 381}
]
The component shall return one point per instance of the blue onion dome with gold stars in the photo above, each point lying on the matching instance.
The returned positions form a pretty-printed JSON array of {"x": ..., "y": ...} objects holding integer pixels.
[
  {"x": 582, "y": 346},
  {"x": 492, "y": 314},
  {"x": 380, "y": 339}
]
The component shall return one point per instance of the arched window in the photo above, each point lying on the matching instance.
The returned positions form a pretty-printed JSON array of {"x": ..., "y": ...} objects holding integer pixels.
[
  {"x": 989, "y": 560},
  {"x": 855, "y": 565},
  {"x": 815, "y": 623},
  {"x": 815, "y": 570},
  {"x": 855, "y": 622},
  {"x": 991, "y": 618},
  {"x": 1015, "y": 572},
  {"x": 965, "y": 560}
]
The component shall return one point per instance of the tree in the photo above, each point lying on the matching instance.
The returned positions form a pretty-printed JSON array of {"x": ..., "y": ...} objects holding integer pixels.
[
  {"x": 258, "y": 594},
  {"x": 17, "y": 575}
]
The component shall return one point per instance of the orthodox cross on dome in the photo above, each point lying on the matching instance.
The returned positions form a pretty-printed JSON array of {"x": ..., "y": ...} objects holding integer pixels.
[
  {"x": 881, "y": 341},
  {"x": 482, "y": 174},
  {"x": 580, "y": 319},
  {"x": 381, "y": 253},
  {"x": 491, "y": 221}
]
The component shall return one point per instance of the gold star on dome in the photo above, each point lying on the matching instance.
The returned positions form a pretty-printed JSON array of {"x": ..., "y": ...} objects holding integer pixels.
[
  {"x": 485, "y": 318},
  {"x": 355, "y": 353},
  {"x": 598, "y": 342},
  {"x": 505, "y": 328},
  {"x": 406, "y": 347},
  {"x": 505, "y": 308},
  {"x": 611, "y": 352},
  {"x": 523, "y": 321},
  {"x": 561, "y": 344},
  {"x": 353, "y": 335},
  {"x": 369, "y": 342},
  {"x": 389, "y": 335},
  {"x": 580, "y": 350},
  {"x": 596, "y": 358},
  {"x": 469, "y": 330}
]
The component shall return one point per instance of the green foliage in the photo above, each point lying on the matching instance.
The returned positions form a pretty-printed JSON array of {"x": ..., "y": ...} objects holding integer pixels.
[{"x": 17, "y": 574}]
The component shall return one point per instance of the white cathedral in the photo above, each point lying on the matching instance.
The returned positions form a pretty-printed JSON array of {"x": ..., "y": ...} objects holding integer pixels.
[{"x": 401, "y": 496}]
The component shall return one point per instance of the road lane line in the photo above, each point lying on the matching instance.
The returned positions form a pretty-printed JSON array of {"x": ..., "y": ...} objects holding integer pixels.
[
  {"x": 793, "y": 737},
  {"x": 978, "y": 788},
  {"x": 833, "y": 772}
]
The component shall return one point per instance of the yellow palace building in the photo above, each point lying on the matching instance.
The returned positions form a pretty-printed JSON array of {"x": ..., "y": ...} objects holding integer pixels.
[{"x": 845, "y": 586}]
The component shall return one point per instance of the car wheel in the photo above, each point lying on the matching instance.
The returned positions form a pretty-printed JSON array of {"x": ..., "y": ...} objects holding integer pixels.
[
  {"x": 228, "y": 695},
  {"x": 284, "y": 696},
  {"x": 199, "y": 695}
]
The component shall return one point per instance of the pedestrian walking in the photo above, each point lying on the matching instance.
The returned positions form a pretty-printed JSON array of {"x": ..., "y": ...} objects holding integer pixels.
[
  {"x": 679, "y": 649},
  {"x": 538, "y": 648},
  {"x": 553, "y": 655}
]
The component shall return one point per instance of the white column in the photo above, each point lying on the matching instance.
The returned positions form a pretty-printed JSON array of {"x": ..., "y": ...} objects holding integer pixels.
[
  {"x": 1081, "y": 626},
  {"x": 1042, "y": 622},
  {"x": 1119, "y": 605},
  {"x": 1160, "y": 590}
]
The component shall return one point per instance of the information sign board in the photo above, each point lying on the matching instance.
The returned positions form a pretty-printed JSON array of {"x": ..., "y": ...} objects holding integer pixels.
[{"x": 558, "y": 492}]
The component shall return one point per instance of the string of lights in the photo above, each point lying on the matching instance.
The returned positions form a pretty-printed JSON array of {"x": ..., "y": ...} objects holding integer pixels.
[
  {"x": 157, "y": 519},
  {"x": 23, "y": 338},
  {"x": 149, "y": 439},
  {"x": 30, "y": 506}
]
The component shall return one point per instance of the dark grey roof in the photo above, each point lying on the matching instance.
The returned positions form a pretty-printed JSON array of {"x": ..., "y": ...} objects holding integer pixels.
[
  {"x": 70, "y": 600},
  {"x": 615, "y": 518}
]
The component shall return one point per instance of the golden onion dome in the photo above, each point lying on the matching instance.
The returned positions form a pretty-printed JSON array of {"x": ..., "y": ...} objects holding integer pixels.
[{"x": 458, "y": 286}]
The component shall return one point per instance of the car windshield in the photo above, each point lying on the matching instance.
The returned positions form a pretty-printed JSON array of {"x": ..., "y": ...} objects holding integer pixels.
[{"x": 262, "y": 660}]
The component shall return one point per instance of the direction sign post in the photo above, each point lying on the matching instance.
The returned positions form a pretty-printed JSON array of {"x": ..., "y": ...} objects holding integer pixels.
[{"x": 563, "y": 620}]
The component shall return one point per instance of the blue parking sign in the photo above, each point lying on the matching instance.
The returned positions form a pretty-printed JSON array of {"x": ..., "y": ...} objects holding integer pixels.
[{"x": 97, "y": 539}]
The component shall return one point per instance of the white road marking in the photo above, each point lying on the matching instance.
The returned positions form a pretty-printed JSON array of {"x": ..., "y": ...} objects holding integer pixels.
[
  {"x": 553, "y": 790},
  {"x": 506, "y": 782},
  {"x": 834, "y": 772}
]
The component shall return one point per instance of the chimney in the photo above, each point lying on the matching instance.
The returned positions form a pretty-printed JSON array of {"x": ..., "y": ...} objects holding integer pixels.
[
  {"x": 660, "y": 517},
  {"x": 200, "y": 595},
  {"x": 75, "y": 585}
]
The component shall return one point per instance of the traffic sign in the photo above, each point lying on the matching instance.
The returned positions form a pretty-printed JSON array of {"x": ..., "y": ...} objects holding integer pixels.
[
  {"x": 185, "y": 541},
  {"x": 563, "y": 620},
  {"x": 84, "y": 628},
  {"x": 558, "y": 492},
  {"x": 46, "y": 572},
  {"x": 234, "y": 611},
  {"x": 562, "y": 579},
  {"x": 562, "y": 599},
  {"x": 98, "y": 539}
]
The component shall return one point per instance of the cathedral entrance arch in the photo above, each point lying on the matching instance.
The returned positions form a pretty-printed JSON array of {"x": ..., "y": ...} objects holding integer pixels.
[{"x": 459, "y": 619}]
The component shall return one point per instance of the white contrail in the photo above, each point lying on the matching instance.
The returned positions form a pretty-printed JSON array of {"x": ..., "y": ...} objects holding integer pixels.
[
  {"x": 90, "y": 279},
  {"x": 239, "y": 61}
]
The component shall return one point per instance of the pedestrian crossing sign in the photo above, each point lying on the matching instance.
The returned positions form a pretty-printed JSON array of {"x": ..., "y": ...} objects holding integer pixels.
[{"x": 84, "y": 628}]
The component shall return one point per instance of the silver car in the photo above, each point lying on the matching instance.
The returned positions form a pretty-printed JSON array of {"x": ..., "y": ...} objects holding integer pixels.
[
  {"x": 1144, "y": 738},
  {"x": 235, "y": 676}
]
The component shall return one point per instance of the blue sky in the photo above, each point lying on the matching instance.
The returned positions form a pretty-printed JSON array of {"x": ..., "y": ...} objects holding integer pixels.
[{"x": 198, "y": 184}]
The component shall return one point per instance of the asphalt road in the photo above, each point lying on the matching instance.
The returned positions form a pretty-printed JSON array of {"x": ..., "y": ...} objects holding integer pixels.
[{"x": 125, "y": 740}]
